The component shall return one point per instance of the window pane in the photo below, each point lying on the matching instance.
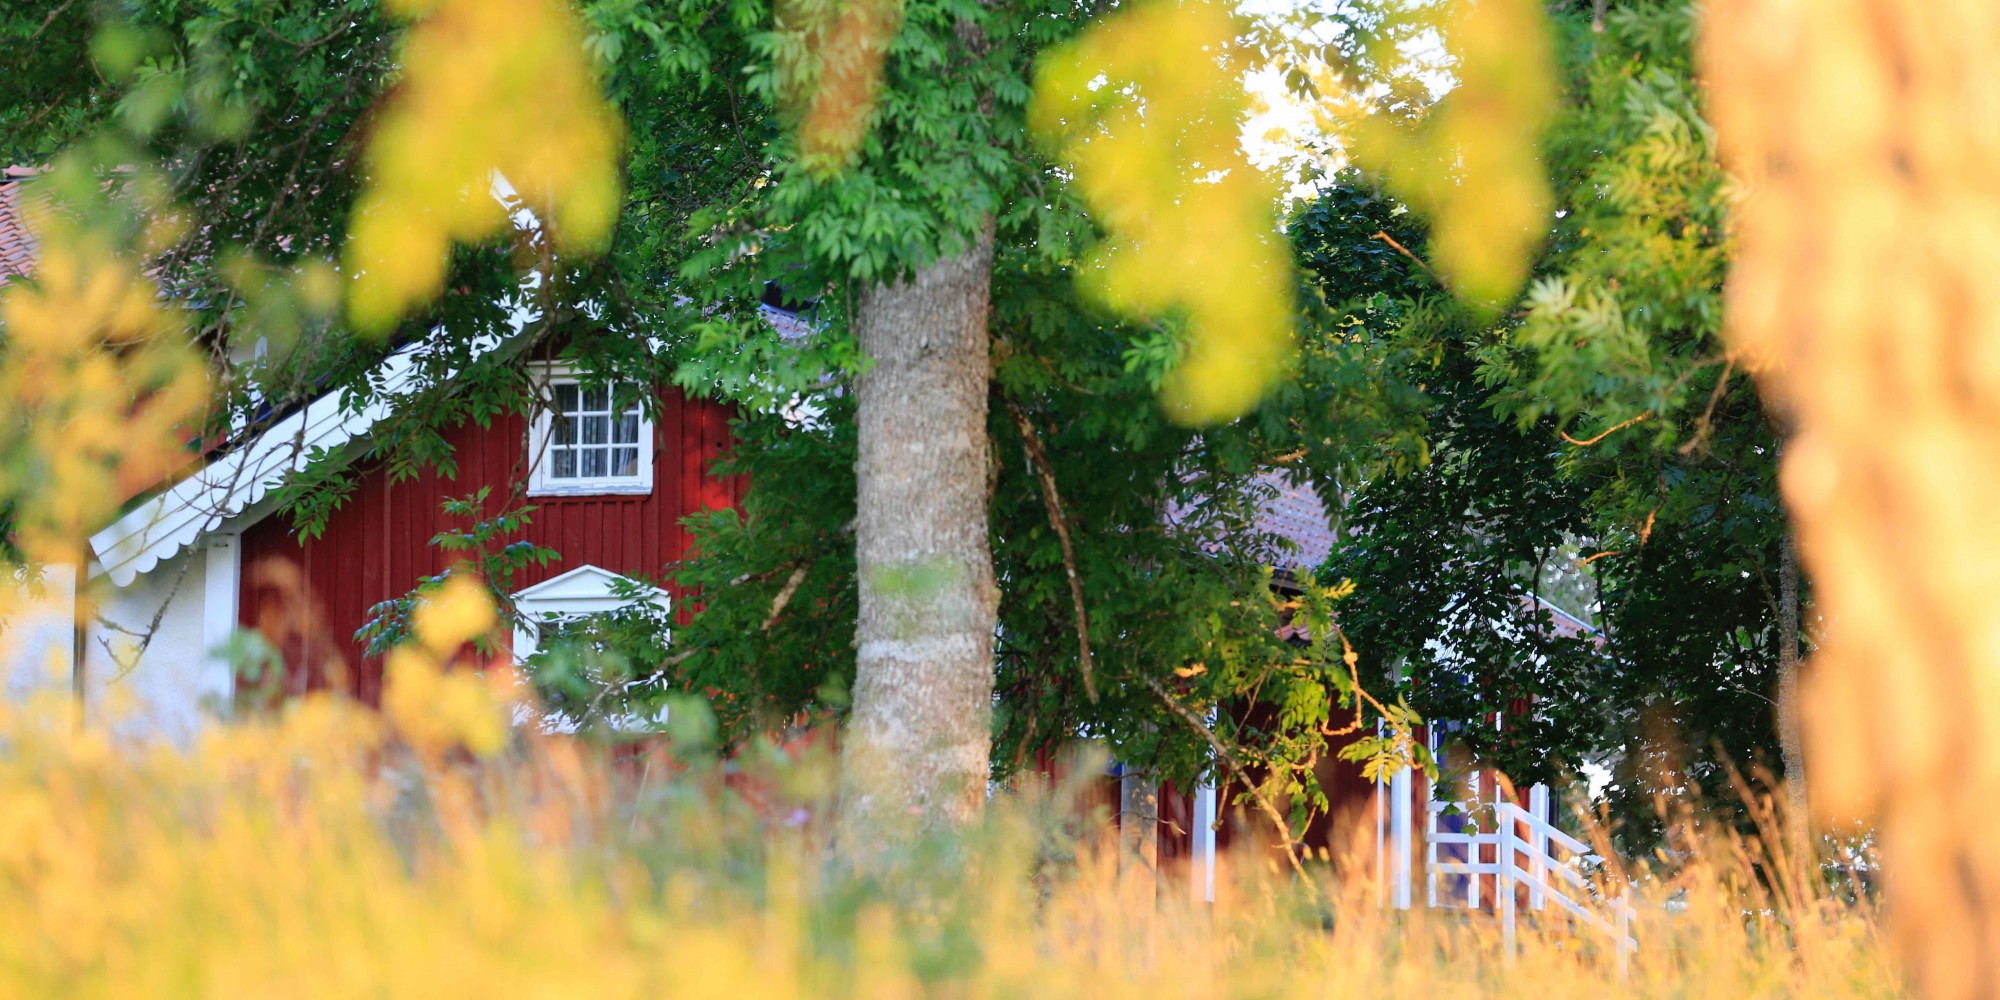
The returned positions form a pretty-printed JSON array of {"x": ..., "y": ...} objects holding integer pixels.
[{"x": 596, "y": 431}]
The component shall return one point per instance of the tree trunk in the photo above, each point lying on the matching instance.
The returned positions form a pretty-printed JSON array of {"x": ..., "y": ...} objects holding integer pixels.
[
  {"x": 1791, "y": 731},
  {"x": 1139, "y": 822},
  {"x": 1862, "y": 293},
  {"x": 915, "y": 754}
]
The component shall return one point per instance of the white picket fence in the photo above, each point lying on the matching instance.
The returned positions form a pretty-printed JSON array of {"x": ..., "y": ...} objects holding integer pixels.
[{"x": 1518, "y": 848}]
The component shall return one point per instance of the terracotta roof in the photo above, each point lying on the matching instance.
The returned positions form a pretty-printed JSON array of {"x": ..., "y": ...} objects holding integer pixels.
[
  {"x": 1296, "y": 515},
  {"x": 17, "y": 246},
  {"x": 1297, "y": 533}
]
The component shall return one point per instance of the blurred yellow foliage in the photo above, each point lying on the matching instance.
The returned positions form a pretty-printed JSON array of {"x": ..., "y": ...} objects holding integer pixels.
[
  {"x": 1471, "y": 164},
  {"x": 102, "y": 388},
  {"x": 437, "y": 709},
  {"x": 1866, "y": 136},
  {"x": 489, "y": 88},
  {"x": 1147, "y": 107},
  {"x": 434, "y": 707},
  {"x": 833, "y": 83},
  {"x": 457, "y": 613}
]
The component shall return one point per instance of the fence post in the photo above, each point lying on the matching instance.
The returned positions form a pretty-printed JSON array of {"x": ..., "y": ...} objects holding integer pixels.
[
  {"x": 1625, "y": 944},
  {"x": 1475, "y": 853},
  {"x": 1204, "y": 843},
  {"x": 1538, "y": 846},
  {"x": 1381, "y": 837},
  {"x": 1400, "y": 794},
  {"x": 1430, "y": 855},
  {"x": 1503, "y": 882}
]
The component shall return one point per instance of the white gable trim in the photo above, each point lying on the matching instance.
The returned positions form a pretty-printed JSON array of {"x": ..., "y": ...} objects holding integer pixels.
[
  {"x": 585, "y": 590},
  {"x": 232, "y": 484},
  {"x": 221, "y": 491},
  {"x": 171, "y": 521}
]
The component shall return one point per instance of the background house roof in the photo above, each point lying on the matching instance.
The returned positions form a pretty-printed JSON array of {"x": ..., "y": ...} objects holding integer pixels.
[
  {"x": 1297, "y": 515},
  {"x": 1297, "y": 533},
  {"x": 17, "y": 246}
]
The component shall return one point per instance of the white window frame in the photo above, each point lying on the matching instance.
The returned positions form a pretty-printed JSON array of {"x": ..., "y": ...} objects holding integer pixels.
[
  {"x": 542, "y": 482},
  {"x": 585, "y": 590}
]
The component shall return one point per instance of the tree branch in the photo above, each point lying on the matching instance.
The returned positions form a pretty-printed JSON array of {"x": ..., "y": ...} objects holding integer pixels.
[
  {"x": 1704, "y": 425},
  {"x": 1045, "y": 474},
  {"x": 784, "y": 597},
  {"x": 1383, "y": 235},
  {"x": 1608, "y": 431},
  {"x": 1228, "y": 758}
]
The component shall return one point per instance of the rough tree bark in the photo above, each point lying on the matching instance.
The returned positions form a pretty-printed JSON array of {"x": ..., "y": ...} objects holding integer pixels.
[
  {"x": 1791, "y": 731},
  {"x": 1867, "y": 140},
  {"x": 915, "y": 754}
]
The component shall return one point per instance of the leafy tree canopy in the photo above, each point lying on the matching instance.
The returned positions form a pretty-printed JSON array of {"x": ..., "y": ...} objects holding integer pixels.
[{"x": 1595, "y": 448}]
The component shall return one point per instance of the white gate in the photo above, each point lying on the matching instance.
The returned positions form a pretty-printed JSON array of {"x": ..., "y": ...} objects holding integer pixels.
[{"x": 1518, "y": 848}]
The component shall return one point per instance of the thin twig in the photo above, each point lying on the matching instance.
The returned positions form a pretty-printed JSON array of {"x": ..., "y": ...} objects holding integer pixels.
[
  {"x": 1608, "y": 431},
  {"x": 1045, "y": 474},
  {"x": 146, "y": 637},
  {"x": 1704, "y": 425},
  {"x": 1384, "y": 236},
  {"x": 784, "y": 597},
  {"x": 1361, "y": 695},
  {"x": 51, "y": 19}
]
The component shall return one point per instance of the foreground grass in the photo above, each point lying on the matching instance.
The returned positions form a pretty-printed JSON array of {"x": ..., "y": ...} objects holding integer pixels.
[{"x": 322, "y": 854}]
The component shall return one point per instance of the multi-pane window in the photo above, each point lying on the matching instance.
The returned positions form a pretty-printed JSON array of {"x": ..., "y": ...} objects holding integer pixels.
[{"x": 594, "y": 438}]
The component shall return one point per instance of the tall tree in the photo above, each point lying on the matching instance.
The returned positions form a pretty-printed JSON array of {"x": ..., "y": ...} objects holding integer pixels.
[
  {"x": 921, "y": 730},
  {"x": 901, "y": 134},
  {"x": 1852, "y": 197}
]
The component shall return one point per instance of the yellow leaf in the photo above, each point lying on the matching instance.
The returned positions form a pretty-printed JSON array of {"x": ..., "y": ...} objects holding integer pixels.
[
  {"x": 459, "y": 612},
  {"x": 490, "y": 88},
  {"x": 1147, "y": 106},
  {"x": 1472, "y": 164}
]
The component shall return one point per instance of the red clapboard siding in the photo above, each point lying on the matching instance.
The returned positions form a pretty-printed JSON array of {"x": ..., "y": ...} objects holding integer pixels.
[{"x": 308, "y": 597}]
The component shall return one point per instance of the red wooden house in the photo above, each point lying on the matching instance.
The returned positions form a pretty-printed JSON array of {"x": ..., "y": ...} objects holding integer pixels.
[
  {"x": 609, "y": 492},
  {"x": 609, "y": 479},
  {"x": 186, "y": 567}
]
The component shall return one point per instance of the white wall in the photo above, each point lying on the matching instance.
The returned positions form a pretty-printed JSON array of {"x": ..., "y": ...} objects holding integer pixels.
[
  {"x": 166, "y": 690},
  {"x": 35, "y": 639}
]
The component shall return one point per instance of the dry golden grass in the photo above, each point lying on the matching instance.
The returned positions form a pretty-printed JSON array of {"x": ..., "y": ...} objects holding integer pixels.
[{"x": 322, "y": 853}]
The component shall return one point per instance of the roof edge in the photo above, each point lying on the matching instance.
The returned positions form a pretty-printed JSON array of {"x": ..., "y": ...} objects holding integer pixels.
[{"x": 228, "y": 487}]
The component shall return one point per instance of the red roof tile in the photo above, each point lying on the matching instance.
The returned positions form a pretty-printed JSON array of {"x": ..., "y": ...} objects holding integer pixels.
[
  {"x": 1298, "y": 535},
  {"x": 1296, "y": 515},
  {"x": 17, "y": 246}
]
